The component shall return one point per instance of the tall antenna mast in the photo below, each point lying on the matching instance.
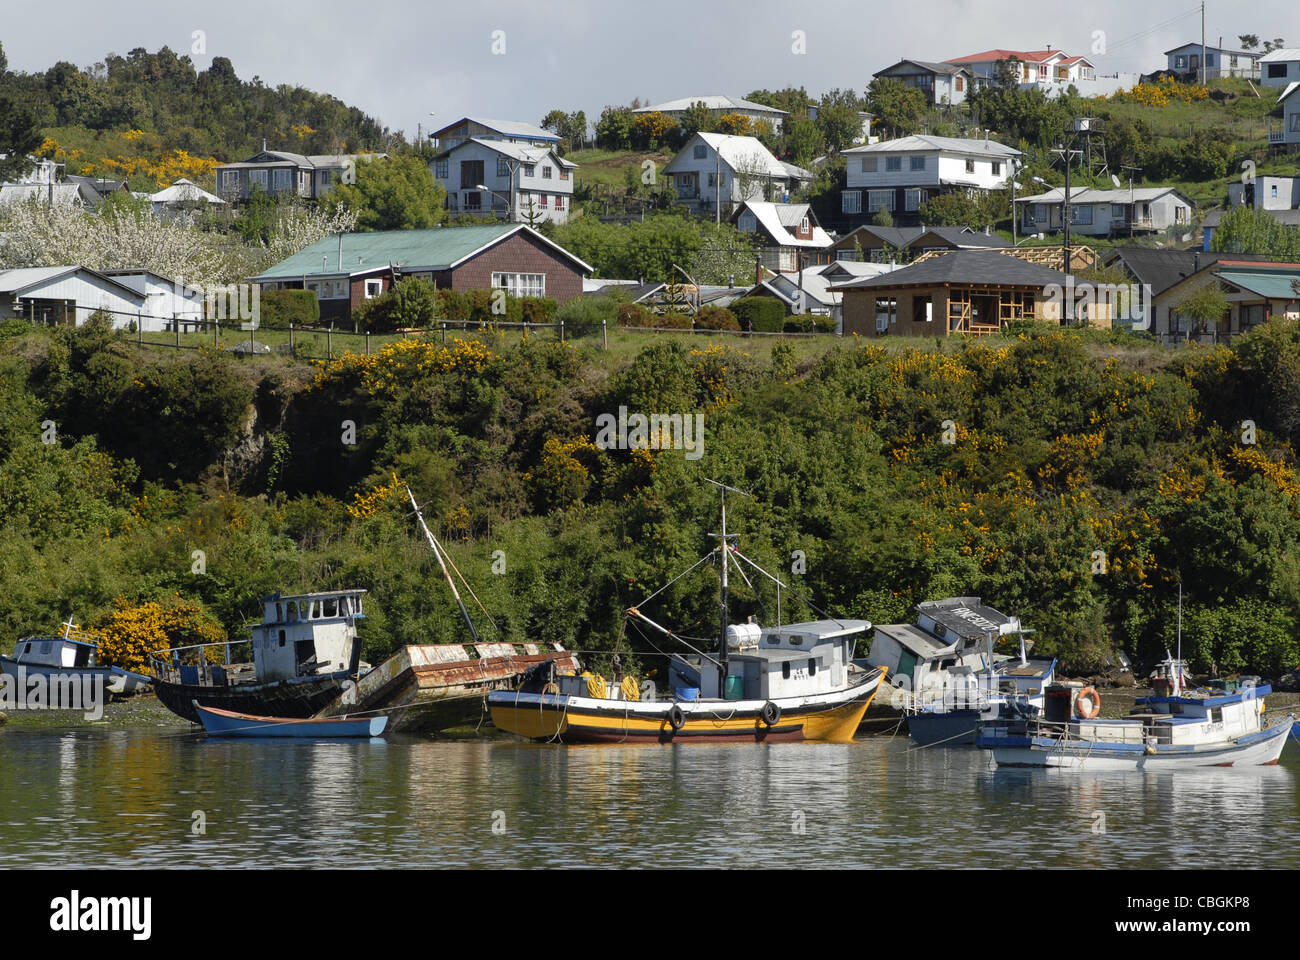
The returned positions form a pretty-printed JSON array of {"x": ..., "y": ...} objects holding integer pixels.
[{"x": 726, "y": 562}]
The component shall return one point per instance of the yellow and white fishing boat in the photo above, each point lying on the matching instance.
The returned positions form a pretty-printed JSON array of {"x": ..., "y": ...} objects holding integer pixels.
[{"x": 784, "y": 683}]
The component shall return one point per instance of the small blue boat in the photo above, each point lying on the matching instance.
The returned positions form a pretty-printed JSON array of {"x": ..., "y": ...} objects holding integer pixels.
[{"x": 227, "y": 723}]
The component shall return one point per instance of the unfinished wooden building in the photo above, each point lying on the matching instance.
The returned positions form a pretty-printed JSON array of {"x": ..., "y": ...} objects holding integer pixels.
[{"x": 966, "y": 292}]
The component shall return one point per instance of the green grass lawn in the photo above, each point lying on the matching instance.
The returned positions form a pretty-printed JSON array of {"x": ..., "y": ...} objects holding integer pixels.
[{"x": 606, "y": 167}]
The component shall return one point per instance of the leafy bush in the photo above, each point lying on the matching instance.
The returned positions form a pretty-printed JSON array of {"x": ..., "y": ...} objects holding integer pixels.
[
  {"x": 766, "y": 313},
  {"x": 283, "y": 307},
  {"x": 716, "y": 318},
  {"x": 583, "y": 316},
  {"x": 798, "y": 324},
  {"x": 634, "y": 315},
  {"x": 411, "y": 302},
  {"x": 672, "y": 321}
]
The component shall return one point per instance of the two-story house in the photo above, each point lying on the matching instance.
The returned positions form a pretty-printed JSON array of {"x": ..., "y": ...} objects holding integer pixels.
[
  {"x": 1051, "y": 71},
  {"x": 788, "y": 233},
  {"x": 1280, "y": 68},
  {"x": 278, "y": 172},
  {"x": 941, "y": 83},
  {"x": 519, "y": 182},
  {"x": 1286, "y": 134},
  {"x": 1105, "y": 213},
  {"x": 900, "y": 175},
  {"x": 480, "y": 128},
  {"x": 713, "y": 166},
  {"x": 1218, "y": 62},
  {"x": 718, "y": 105}
]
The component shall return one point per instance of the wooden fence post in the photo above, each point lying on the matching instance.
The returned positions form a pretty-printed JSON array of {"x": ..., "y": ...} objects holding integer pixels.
[
  {"x": 604, "y": 334},
  {"x": 291, "y": 338}
]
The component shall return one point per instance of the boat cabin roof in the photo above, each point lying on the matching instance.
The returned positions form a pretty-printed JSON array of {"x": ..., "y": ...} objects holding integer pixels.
[
  {"x": 47, "y": 638},
  {"x": 925, "y": 645},
  {"x": 1253, "y": 693},
  {"x": 278, "y": 597},
  {"x": 1032, "y": 670},
  {"x": 816, "y": 630},
  {"x": 964, "y": 616}
]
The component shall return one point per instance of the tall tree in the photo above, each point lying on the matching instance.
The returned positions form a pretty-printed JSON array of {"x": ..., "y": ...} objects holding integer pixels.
[
  {"x": 19, "y": 136},
  {"x": 898, "y": 106},
  {"x": 393, "y": 193}
]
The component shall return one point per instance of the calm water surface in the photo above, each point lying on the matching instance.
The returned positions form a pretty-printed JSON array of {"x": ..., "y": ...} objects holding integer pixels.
[{"x": 126, "y": 797}]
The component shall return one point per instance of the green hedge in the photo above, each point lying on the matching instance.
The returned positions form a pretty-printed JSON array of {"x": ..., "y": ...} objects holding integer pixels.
[
  {"x": 766, "y": 313},
  {"x": 716, "y": 318},
  {"x": 279, "y": 308}
]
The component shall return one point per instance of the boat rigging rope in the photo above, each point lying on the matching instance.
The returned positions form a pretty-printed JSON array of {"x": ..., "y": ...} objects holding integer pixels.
[{"x": 702, "y": 559}]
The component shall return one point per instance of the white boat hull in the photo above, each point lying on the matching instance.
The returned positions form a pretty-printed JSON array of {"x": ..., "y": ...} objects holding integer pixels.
[{"x": 1261, "y": 749}]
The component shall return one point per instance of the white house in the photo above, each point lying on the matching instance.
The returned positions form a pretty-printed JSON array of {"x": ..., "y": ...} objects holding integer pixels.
[
  {"x": 1218, "y": 61},
  {"x": 940, "y": 82},
  {"x": 900, "y": 175},
  {"x": 744, "y": 168},
  {"x": 788, "y": 233},
  {"x": 165, "y": 300},
  {"x": 1280, "y": 68},
  {"x": 1266, "y": 193},
  {"x": 525, "y": 182},
  {"x": 181, "y": 194},
  {"x": 1287, "y": 134},
  {"x": 67, "y": 296},
  {"x": 1051, "y": 71},
  {"x": 1104, "y": 213},
  {"x": 718, "y": 105}
]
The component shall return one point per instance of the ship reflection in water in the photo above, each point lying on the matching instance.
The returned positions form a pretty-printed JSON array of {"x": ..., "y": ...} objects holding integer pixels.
[{"x": 110, "y": 798}]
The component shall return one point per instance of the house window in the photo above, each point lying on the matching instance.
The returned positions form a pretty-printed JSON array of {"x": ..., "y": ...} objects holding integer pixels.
[
  {"x": 1273, "y": 191},
  {"x": 1277, "y": 71},
  {"x": 546, "y": 172},
  {"x": 970, "y": 166},
  {"x": 530, "y": 169},
  {"x": 1251, "y": 314},
  {"x": 564, "y": 174},
  {"x": 503, "y": 167},
  {"x": 922, "y": 310},
  {"x": 453, "y": 201},
  {"x": 328, "y": 289},
  {"x": 1082, "y": 213},
  {"x": 804, "y": 226},
  {"x": 961, "y": 84},
  {"x": 1180, "y": 214},
  {"x": 559, "y": 202},
  {"x": 1294, "y": 125},
  {"x": 1117, "y": 211},
  {"x": 374, "y": 288},
  {"x": 851, "y": 201},
  {"x": 1180, "y": 62},
  {"x": 700, "y": 152},
  {"x": 471, "y": 174},
  {"x": 893, "y": 164},
  {"x": 282, "y": 180},
  {"x": 521, "y": 284},
  {"x": 869, "y": 164},
  {"x": 880, "y": 199},
  {"x": 440, "y": 169},
  {"x": 256, "y": 178},
  {"x": 541, "y": 199},
  {"x": 912, "y": 200},
  {"x": 996, "y": 167},
  {"x": 473, "y": 200},
  {"x": 917, "y": 163}
]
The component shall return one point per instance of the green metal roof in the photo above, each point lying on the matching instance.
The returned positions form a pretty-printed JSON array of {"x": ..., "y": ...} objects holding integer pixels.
[
  {"x": 437, "y": 249},
  {"x": 1272, "y": 284}
]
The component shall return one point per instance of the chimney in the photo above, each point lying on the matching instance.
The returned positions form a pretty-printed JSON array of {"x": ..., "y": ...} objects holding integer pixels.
[
  {"x": 758, "y": 269},
  {"x": 264, "y": 144}
]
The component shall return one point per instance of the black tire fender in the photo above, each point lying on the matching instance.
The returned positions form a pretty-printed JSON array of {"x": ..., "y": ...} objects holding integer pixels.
[
  {"x": 676, "y": 718},
  {"x": 770, "y": 714}
]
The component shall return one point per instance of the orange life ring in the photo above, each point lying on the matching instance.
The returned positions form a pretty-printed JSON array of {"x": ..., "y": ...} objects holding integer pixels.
[{"x": 1093, "y": 698}]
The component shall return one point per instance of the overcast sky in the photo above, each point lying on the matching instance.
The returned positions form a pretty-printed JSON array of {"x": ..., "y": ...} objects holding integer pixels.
[{"x": 401, "y": 61}]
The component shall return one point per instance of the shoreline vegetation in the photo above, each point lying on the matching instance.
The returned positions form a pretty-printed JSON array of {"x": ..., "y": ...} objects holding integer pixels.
[{"x": 1069, "y": 477}]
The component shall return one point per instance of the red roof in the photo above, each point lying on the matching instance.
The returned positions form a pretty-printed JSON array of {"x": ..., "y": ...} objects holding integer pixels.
[{"x": 1026, "y": 56}]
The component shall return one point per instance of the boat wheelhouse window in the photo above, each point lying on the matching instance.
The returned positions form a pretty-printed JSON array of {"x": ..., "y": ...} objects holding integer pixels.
[
  {"x": 282, "y": 638},
  {"x": 293, "y": 610},
  {"x": 785, "y": 670},
  {"x": 29, "y": 649},
  {"x": 279, "y": 612},
  {"x": 1216, "y": 715},
  {"x": 796, "y": 641},
  {"x": 332, "y": 607},
  {"x": 313, "y": 612},
  {"x": 812, "y": 666}
]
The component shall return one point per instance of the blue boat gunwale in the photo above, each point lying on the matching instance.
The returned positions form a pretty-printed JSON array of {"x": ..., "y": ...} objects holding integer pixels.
[{"x": 1252, "y": 693}]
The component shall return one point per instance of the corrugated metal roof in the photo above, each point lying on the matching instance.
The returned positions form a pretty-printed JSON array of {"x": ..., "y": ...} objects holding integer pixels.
[
  {"x": 436, "y": 249},
  {"x": 21, "y": 279},
  {"x": 511, "y": 128},
  {"x": 1275, "y": 284},
  {"x": 714, "y": 102},
  {"x": 922, "y": 142},
  {"x": 966, "y": 267},
  {"x": 1282, "y": 53}
]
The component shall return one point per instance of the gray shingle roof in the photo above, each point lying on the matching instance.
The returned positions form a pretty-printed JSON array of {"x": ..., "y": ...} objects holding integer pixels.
[{"x": 966, "y": 267}]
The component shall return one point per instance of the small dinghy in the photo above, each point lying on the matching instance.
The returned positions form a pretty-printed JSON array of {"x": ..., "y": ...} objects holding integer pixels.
[{"x": 226, "y": 723}]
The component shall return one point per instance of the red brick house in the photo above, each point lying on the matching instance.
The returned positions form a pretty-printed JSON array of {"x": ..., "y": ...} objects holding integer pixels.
[{"x": 352, "y": 267}]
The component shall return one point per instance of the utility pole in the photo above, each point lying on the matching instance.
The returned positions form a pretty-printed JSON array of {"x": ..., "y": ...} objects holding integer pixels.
[
  {"x": 1202, "y": 42},
  {"x": 1068, "y": 155},
  {"x": 1012, "y": 165},
  {"x": 717, "y": 185}
]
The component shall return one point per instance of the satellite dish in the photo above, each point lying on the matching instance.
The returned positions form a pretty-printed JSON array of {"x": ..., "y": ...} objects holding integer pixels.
[{"x": 1115, "y": 180}]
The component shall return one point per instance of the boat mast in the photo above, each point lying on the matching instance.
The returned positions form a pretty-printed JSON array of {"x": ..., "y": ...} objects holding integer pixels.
[
  {"x": 726, "y": 561},
  {"x": 445, "y": 572}
]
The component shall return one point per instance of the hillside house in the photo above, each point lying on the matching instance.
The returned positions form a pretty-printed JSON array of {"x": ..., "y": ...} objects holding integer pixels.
[
  {"x": 872, "y": 244},
  {"x": 719, "y": 105},
  {"x": 67, "y": 296},
  {"x": 519, "y": 181},
  {"x": 480, "y": 128},
  {"x": 1051, "y": 71},
  {"x": 900, "y": 175},
  {"x": 785, "y": 232},
  {"x": 966, "y": 291},
  {"x": 942, "y": 83},
  {"x": 345, "y": 270},
  {"x": 1280, "y": 68},
  {"x": 277, "y": 172},
  {"x": 717, "y": 165},
  {"x": 1256, "y": 290},
  {"x": 1219, "y": 62},
  {"x": 1105, "y": 213}
]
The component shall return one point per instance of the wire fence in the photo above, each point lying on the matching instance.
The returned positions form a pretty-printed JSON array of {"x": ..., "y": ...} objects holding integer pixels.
[{"x": 192, "y": 332}]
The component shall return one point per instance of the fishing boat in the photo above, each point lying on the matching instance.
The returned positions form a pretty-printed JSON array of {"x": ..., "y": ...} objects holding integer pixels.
[
  {"x": 1011, "y": 688},
  {"x": 787, "y": 682},
  {"x": 228, "y": 723},
  {"x": 72, "y": 654},
  {"x": 429, "y": 688},
  {"x": 304, "y": 651}
]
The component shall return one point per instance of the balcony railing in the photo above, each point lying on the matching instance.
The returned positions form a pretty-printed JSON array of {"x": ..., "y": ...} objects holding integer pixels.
[{"x": 1277, "y": 136}]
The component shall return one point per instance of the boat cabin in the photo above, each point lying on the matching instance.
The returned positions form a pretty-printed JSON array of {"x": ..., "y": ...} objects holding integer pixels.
[
  {"x": 950, "y": 641},
  {"x": 767, "y": 663},
  {"x": 307, "y": 634},
  {"x": 55, "y": 652}
]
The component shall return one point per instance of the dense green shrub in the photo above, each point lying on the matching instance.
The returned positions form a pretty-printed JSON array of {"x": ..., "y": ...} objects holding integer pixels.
[
  {"x": 411, "y": 302},
  {"x": 767, "y": 314},
  {"x": 583, "y": 316},
  {"x": 672, "y": 321},
  {"x": 716, "y": 318},
  {"x": 634, "y": 315},
  {"x": 280, "y": 308}
]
